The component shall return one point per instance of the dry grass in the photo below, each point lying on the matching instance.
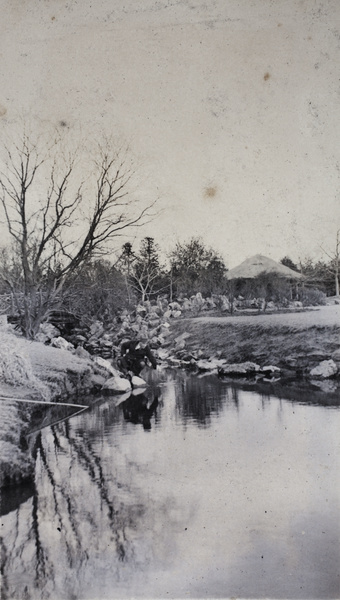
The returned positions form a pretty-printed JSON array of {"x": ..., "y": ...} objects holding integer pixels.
[
  {"x": 263, "y": 340},
  {"x": 16, "y": 368},
  {"x": 16, "y": 462}
]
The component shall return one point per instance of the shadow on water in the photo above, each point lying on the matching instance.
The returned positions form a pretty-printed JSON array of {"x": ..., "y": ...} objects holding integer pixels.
[
  {"x": 193, "y": 487},
  {"x": 323, "y": 392},
  {"x": 14, "y": 496},
  {"x": 47, "y": 417}
]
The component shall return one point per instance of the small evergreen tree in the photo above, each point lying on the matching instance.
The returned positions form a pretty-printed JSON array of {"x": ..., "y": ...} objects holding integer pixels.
[
  {"x": 287, "y": 262},
  {"x": 144, "y": 274}
]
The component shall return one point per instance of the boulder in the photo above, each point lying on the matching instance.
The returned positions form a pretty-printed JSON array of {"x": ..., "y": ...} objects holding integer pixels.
[
  {"x": 186, "y": 305},
  {"x": 325, "y": 369},
  {"x": 60, "y": 342},
  {"x": 206, "y": 365},
  {"x": 164, "y": 329},
  {"x": 174, "y": 362},
  {"x": 180, "y": 345},
  {"x": 154, "y": 323},
  {"x": 96, "y": 382},
  {"x": 153, "y": 314},
  {"x": 105, "y": 343},
  {"x": 225, "y": 304},
  {"x": 141, "y": 310},
  {"x": 138, "y": 382},
  {"x": 49, "y": 330},
  {"x": 96, "y": 329},
  {"x": 270, "y": 370},
  {"x": 153, "y": 332},
  {"x": 116, "y": 385},
  {"x": 162, "y": 354},
  {"x": 82, "y": 353},
  {"x": 105, "y": 366},
  {"x": 336, "y": 357},
  {"x": 246, "y": 368},
  {"x": 42, "y": 337},
  {"x": 174, "y": 306},
  {"x": 154, "y": 342}
]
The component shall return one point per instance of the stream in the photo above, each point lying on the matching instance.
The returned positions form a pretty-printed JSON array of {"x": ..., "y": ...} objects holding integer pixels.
[{"x": 194, "y": 488}]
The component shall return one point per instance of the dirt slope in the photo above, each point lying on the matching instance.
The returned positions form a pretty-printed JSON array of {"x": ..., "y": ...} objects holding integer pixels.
[{"x": 288, "y": 340}]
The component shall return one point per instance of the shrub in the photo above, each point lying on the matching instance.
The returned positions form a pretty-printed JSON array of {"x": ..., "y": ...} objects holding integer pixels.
[{"x": 313, "y": 297}]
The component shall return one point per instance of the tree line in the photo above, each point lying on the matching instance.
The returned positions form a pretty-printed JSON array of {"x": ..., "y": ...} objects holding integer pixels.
[{"x": 63, "y": 225}]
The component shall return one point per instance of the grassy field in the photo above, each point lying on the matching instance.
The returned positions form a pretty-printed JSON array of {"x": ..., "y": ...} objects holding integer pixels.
[{"x": 284, "y": 339}]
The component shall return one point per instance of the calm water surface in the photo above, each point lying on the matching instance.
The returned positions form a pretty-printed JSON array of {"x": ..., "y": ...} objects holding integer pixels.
[{"x": 194, "y": 489}]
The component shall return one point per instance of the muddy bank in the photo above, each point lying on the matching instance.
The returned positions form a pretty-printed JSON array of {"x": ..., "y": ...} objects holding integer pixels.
[{"x": 294, "y": 343}]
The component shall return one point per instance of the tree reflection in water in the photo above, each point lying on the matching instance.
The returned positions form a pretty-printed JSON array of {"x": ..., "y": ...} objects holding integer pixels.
[
  {"x": 85, "y": 519},
  {"x": 205, "y": 501},
  {"x": 202, "y": 397}
]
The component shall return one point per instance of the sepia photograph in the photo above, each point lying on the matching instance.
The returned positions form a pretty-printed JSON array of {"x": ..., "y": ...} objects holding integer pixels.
[{"x": 169, "y": 299}]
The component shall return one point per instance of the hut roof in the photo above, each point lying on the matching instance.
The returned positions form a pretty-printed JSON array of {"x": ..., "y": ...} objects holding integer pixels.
[{"x": 252, "y": 267}]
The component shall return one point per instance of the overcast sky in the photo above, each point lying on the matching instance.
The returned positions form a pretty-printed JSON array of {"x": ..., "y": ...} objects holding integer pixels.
[{"x": 231, "y": 106}]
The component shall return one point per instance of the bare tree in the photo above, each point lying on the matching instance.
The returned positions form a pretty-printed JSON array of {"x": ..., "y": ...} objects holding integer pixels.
[
  {"x": 59, "y": 218},
  {"x": 143, "y": 272},
  {"x": 125, "y": 262}
]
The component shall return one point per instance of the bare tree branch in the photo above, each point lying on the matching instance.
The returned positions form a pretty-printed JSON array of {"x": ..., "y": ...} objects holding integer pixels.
[{"x": 52, "y": 238}]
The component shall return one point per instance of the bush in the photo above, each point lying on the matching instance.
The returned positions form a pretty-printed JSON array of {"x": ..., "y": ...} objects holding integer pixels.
[{"x": 313, "y": 297}]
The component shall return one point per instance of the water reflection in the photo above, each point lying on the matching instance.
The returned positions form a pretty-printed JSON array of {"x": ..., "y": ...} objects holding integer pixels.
[
  {"x": 197, "y": 401},
  {"x": 138, "y": 409},
  {"x": 230, "y": 493}
]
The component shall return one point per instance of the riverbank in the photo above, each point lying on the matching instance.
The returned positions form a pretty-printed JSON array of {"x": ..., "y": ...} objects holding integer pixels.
[
  {"x": 294, "y": 342},
  {"x": 31, "y": 371}
]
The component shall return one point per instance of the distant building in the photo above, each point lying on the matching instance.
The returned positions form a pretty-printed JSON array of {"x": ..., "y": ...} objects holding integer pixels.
[{"x": 258, "y": 265}]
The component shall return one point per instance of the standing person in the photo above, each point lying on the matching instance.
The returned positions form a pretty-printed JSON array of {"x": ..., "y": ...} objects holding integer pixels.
[{"x": 135, "y": 355}]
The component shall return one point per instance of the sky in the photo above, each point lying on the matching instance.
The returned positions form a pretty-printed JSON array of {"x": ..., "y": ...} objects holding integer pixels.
[{"x": 230, "y": 106}]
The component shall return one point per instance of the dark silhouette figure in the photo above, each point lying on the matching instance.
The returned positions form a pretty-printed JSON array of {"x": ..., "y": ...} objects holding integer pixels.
[
  {"x": 137, "y": 410},
  {"x": 135, "y": 355}
]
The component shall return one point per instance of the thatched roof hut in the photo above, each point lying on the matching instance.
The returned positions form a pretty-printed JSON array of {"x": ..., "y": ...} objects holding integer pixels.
[{"x": 254, "y": 266}]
